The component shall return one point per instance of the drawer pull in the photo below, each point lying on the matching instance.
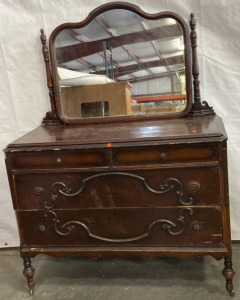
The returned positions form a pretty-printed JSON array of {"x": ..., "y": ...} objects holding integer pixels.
[
  {"x": 38, "y": 190},
  {"x": 42, "y": 228},
  {"x": 194, "y": 185},
  {"x": 163, "y": 156},
  {"x": 196, "y": 227},
  {"x": 59, "y": 160}
]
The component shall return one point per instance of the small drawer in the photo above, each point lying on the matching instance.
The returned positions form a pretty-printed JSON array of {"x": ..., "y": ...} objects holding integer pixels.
[
  {"x": 163, "y": 154},
  {"x": 59, "y": 159},
  {"x": 142, "y": 188},
  {"x": 126, "y": 226}
]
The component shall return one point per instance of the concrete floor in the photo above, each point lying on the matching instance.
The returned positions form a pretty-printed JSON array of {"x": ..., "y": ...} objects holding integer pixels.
[{"x": 117, "y": 279}]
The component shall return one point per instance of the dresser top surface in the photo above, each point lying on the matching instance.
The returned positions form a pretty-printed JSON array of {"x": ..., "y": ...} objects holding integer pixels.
[{"x": 190, "y": 128}]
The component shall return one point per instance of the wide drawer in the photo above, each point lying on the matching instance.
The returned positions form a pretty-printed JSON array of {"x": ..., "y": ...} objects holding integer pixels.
[
  {"x": 186, "y": 226},
  {"x": 164, "y": 154},
  {"x": 58, "y": 159},
  {"x": 142, "y": 188}
]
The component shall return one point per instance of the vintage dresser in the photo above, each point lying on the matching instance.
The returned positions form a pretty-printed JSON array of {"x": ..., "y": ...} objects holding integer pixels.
[{"x": 152, "y": 183}]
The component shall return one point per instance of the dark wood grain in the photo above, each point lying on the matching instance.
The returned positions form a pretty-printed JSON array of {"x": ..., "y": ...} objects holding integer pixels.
[
  {"x": 198, "y": 108},
  {"x": 51, "y": 116},
  {"x": 189, "y": 129}
]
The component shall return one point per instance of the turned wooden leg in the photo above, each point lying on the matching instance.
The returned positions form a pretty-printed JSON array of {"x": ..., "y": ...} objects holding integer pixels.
[
  {"x": 28, "y": 272},
  {"x": 228, "y": 273}
]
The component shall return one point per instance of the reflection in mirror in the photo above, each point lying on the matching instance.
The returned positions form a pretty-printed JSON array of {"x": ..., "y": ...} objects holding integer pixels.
[{"x": 121, "y": 64}]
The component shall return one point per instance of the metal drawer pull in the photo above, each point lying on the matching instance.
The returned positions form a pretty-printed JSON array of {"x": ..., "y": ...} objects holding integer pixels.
[
  {"x": 38, "y": 190},
  {"x": 196, "y": 227},
  {"x": 163, "y": 156},
  {"x": 194, "y": 185},
  {"x": 42, "y": 228},
  {"x": 59, "y": 159}
]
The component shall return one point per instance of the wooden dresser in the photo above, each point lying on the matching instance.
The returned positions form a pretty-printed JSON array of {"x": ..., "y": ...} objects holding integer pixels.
[
  {"x": 143, "y": 183},
  {"x": 142, "y": 189}
]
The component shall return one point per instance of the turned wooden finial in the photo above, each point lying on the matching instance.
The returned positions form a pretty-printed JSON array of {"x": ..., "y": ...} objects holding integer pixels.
[
  {"x": 195, "y": 69},
  {"x": 51, "y": 116},
  {"x": 198, "y": 107},
  {"x": 44, "y": 46}
]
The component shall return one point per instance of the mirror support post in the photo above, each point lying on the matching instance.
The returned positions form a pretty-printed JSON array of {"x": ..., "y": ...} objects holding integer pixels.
[
  {"x": 51, "y": 116},
  {"x": 198, "y": 107}
]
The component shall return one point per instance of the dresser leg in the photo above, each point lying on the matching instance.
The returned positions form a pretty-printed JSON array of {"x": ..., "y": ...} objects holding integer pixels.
[
  {"x": 228, "y": 273},
  {"x": 28, "y": 272}
]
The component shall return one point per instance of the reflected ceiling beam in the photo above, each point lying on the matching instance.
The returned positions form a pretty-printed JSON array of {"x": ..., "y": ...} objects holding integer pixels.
[
  {"x": 155, "y": 45},
  {"x": 83, "y": 39},
  {"x": 69, "y": 53},
  {"x": 147, "y": 78},
  {"x": 114, "y": 33},
  {"x": 87, "y": 64},
  {"x": 125, "y": 70},
  {"x": 81, "y": 60}
]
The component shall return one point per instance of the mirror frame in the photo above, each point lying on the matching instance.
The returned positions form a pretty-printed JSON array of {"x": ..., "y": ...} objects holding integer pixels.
[{"x": 136, "y": 9}]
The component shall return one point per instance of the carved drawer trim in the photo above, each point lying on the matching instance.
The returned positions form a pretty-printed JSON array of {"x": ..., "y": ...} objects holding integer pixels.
[
  {"x": 167, "y": 185},
  {"x": 66, "y": 228}
]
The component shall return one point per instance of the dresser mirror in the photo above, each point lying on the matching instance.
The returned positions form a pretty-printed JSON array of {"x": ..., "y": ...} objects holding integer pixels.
[{"x": 120, "y": 63}]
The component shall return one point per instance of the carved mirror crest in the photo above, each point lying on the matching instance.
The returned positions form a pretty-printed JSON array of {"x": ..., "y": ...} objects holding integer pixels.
[{"x": 121, "y": 63}]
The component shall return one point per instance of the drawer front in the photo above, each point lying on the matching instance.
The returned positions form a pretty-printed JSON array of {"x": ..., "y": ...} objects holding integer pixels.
[
  {"x": 163, "y": 154},
  {"x": 60, "y": 159},
  {"x": 143, "y": 188},
  {"x": 123, "y": 227}
]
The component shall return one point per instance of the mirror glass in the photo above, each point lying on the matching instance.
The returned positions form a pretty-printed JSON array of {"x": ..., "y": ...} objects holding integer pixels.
[{"x": 121, "y": 64}]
